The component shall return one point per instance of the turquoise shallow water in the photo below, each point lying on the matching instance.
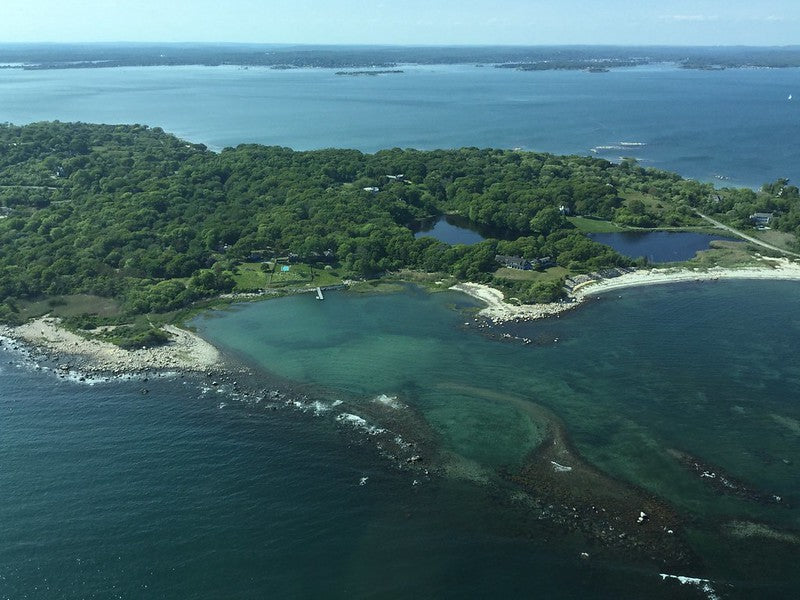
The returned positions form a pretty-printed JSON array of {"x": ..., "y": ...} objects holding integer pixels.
[
  {"x": 735, "y": 124},
  {"x": 703, "y": 369},
  {"x": 108, "y": 493}
]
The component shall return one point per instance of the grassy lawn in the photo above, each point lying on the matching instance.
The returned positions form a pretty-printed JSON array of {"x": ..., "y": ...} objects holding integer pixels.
[
  {"x": 587, "y": 225},
  {"x": 725, "y": 254},
  {"x": 652, "y": 204},
  {"x": 251, "y": 276},
  {"x": 779, "y": 239},
  {"x": 71, "y": 306},
  {"x": 551, "y": 274}
]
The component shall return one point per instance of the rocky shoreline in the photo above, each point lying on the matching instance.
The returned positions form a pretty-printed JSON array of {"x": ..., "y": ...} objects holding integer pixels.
[
  {"x": 71, "y": 353},
  {"x": 498, "y": 310}
]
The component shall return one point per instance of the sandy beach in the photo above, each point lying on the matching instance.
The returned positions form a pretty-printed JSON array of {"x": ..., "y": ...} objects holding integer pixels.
[
  {"x": 498, "y": 310},
  {"x": 185, "y": 351}
]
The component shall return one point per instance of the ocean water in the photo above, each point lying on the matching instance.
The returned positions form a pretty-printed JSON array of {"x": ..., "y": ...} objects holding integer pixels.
[
  {"x": 106, "y": 492},
  {"x": 702, "y": 369},
  {"x": 192, "y": 492},
  {"x": 185, "y": 492},
  {"x": 732, "y": 127}
]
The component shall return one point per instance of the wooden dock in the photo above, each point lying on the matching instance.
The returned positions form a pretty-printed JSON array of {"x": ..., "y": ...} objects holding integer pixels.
[{"x": 319, "y": 294}]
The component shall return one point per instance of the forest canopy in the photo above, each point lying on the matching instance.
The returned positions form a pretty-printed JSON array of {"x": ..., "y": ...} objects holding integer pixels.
[{"x": 131, "y": 212}]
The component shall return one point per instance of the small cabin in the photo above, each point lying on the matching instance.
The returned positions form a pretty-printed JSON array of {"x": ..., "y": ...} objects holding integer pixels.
[{"x": 761, "y": 219}]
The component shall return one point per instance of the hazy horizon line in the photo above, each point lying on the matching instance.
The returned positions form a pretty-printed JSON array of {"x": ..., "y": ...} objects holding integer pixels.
[{"x": 369, "y": 45}]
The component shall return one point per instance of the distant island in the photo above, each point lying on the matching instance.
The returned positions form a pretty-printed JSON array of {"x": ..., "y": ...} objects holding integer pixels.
[
  {"x": 121, "y": 228},
  {"x": 591, "y": 65},
  {"x": 358, "y": 73},
  {"x": 528, "y": 58}
]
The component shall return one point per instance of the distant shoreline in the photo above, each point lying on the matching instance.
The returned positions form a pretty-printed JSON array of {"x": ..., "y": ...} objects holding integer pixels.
[{"x": 595, "y": 58}]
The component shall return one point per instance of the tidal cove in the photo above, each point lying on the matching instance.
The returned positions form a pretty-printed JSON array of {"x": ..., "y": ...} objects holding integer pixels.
[{"x": 532, "y": 459}]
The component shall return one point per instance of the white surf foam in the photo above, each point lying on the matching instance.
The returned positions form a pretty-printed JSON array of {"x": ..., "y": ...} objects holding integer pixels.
[
  {"x": 703, "y": 584},
  {"x": 359, "y": 423},
  {"x": 390, "y": 401}
]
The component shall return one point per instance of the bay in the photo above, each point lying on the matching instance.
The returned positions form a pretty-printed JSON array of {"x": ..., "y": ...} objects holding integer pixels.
[
  {"x": 106, "y": 492},
  {"x": 186, "y": 492},
  {"x": 731, "y": 127},
  {"x": 700, "y": 369}
]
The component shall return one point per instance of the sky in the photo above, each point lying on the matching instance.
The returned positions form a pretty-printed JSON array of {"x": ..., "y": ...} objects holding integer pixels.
[{"x": 406, "y": 22}]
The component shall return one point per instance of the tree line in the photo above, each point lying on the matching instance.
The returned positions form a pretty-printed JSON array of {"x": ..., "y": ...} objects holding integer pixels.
[{"x": 134, "y": 213}]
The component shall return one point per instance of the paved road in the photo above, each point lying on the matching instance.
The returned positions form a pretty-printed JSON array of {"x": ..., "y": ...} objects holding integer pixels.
[{"x": 744, "y": 236}]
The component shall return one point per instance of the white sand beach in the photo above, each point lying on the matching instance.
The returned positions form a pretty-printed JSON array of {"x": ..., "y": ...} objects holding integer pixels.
[{"x": 498, "y": 310}]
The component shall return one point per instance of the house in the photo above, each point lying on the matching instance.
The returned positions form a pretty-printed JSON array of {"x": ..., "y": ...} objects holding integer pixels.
[
  {"x": 760, "y": 219},
  {"x": 258, "y": 255},
  {"x": 327, "y": 256},
  {"x": 371, "y": 189},
  {"x": 544, "y": 263},
  {"x": 513, "y": 262}
]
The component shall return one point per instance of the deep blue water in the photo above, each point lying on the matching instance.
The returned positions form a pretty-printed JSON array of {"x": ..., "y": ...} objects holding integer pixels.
[
  {"x": 736, "y": 123},
  {"x": 657, "y": 246}
]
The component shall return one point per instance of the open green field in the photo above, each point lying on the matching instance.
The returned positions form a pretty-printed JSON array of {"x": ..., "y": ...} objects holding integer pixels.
[
  {"x": 552, "y": 274},
  {"x": 587, "y": 225},
  {"x": 71, "y": 306},
  {"x": 779, "y": 239},
  {"x": 252, "y": 276},
  {"x": 652, "y": 203}
]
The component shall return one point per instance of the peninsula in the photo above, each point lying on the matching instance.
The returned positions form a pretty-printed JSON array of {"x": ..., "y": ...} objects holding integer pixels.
[{"x": 116, "y": 231}]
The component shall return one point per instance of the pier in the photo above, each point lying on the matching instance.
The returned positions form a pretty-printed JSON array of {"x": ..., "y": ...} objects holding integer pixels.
[{"x": 319, "y": 294}]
